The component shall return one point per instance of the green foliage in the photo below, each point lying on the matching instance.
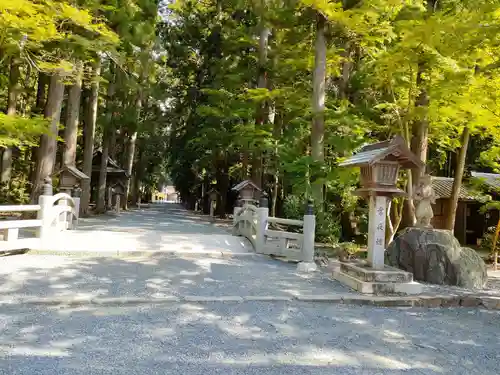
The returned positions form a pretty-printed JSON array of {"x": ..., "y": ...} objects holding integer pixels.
[
  {"x": 294, "y": 207},
  {"x": 15, "y": 192},
  {"x": 487, "y": 241},
  {"x": 20, "y": 131}
]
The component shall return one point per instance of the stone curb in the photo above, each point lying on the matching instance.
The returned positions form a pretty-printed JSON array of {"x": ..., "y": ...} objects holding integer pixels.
[
  {"x": 427, "y": 301},
  {"x": 141, "y": 253}
]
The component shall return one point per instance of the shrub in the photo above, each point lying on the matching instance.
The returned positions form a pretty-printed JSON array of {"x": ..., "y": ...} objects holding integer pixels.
[{"x": 16, "y": 192}]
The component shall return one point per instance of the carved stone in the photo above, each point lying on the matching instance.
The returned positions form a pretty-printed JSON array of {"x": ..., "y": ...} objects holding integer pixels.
[{"x": 424, "y": 197}]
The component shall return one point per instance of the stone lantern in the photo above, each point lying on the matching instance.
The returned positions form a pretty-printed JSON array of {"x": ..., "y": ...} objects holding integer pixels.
[
  {"x": 117, "y": 190},
  {"x": 248, "y": 192},
  {"x": 212, "y": 198},
  {"x": 379, "y": 164},
  {"x": 69, "y": 177}
]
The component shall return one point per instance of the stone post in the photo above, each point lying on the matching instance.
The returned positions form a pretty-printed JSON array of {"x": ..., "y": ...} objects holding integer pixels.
[
  {"x": 236, "y": 210},
  {"x": 262, "y": 215},
  {"x": 212, "y": 208},
  {"x": 307, "y": 264},
  {"x": 376, "y": 231},
  {"x": 117, "y": 203},
  {"x": 76, "y": 194},
  {"x": 45, "y": 202}
]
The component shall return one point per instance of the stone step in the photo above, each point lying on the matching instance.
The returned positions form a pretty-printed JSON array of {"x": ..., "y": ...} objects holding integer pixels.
[
  {"x": 361, "y": 271},
  {"x": 377, "y": 288}
]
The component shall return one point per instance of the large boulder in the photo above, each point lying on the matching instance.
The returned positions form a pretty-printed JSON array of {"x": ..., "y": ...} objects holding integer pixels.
[{"x": 435, "y": 256}]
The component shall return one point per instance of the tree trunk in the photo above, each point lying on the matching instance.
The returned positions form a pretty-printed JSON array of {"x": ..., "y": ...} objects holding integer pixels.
[
  {"x": 90, "y": 124},
  {"x": 318, "y": 106},
  {"x": 108, "y": 130},
  {"x": 457, "y": 181},
  {"x": 130, "y": 162},
  {"x": 41, "y": 92},
  {"x": 260, "y": 118},
  {"x": 48, "y": 143},
  {"x": 14, "y": 90},
  {"x": 131, "y": 145},
  {"x": 103, "y": 171},
  {"x": 420, "y": 128},
  {"x": 277, "y": 133},
  {"x": 494, "y": 249},
  {"x": 72, "y": 118},
  {"x": 137, "y": 177}
]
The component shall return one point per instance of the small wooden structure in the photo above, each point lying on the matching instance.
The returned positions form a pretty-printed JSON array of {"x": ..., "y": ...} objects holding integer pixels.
[
  {"x": 212, "y": 198},
  {"x": 117, "y": 191},
  {"x": 114, "y": 174},
  {"x": 69, "y": 177},
  {"x": 380, "y": 164},
  {"x": 247, "y": 191}
]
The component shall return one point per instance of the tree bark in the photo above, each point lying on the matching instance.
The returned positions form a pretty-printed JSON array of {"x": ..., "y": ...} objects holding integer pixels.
[
  {"x": 277, "y": 133},
  {"x": 457, "y": 181},
  {"x": 318, "y": 106},
  {"x": 13, "y": 94},
  {"x": 103, "y": 171},
  {"x": 90, "y": 124},
  {"x": 72, "y": 118},
  {"x": 41, "y": 92},
  {"x": 420, "y": 128},
  {"x": 108, "y": 129},
  {"x": 260, "y": 118},
  {"x": 48, "y": 143},
  {"x": 137, "y": 177}
]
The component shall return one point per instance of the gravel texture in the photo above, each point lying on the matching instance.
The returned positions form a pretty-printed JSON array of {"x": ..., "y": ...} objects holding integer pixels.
[
  {"x": 156, "y": 276},
  {"x": 248, "y": 338}
]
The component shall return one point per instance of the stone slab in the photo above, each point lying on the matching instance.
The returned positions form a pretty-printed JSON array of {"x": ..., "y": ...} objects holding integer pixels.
[
  {"x": 377, "y": 288},
  {"x": 361, "y": 271}
]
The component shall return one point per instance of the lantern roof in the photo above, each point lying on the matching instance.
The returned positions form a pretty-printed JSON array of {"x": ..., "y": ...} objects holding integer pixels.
[
  {"x": 392, "y": 150},
  {"x": 245, "y": 184},
  {"x": 73, "y": 171}
]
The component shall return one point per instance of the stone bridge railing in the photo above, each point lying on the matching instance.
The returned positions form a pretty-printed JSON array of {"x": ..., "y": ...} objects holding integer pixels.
[
  {"x": 54, "y": 214},
  {"x": 253, "y": 223}
]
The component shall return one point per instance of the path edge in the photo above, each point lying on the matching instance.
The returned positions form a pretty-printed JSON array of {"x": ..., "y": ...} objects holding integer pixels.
[{"x": 423, "y": 301}]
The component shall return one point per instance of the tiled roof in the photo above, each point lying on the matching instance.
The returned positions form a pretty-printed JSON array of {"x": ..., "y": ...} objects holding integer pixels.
[
  {"x": 443, "y": 186},
  {"x": 363, "y": 157},
  {"x": 491, "y": 180},
  {"x": 244, "y": 184},
  {"x": 395, "y": 148}
]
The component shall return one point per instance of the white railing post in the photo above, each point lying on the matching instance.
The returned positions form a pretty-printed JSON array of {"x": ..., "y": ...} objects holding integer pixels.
[
  {"x": 45, "y": 202},
  {"x": 307, "y": 264},
  {"x": 76, "y": 194},
  {"x": 262, "y": 215},
  {"x": 236, "y": 218}
]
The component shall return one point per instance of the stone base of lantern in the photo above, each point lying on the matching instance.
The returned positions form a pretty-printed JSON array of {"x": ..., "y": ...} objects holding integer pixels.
[{"x": 359, "y": 276}]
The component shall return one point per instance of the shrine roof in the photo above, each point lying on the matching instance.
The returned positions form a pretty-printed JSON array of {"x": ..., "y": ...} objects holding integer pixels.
[
  {"x": 373, "y": 153},
  {"x": 443, "y": 187},
  {"x": 74, "y": 171},
  {"x": 244, "y": 184}
]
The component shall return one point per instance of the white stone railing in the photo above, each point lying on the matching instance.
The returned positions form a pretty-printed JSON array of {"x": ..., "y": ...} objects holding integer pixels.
[
  {"x": 253, "y": 222},
  {"x": 54, "y": 213}
]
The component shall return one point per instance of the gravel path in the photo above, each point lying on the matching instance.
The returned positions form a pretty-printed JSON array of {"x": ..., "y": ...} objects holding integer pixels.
[
  {"x": 156, "y": 276},
  {"x": 161, "y": 227},
  {"x": 248, "y": 338}
]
